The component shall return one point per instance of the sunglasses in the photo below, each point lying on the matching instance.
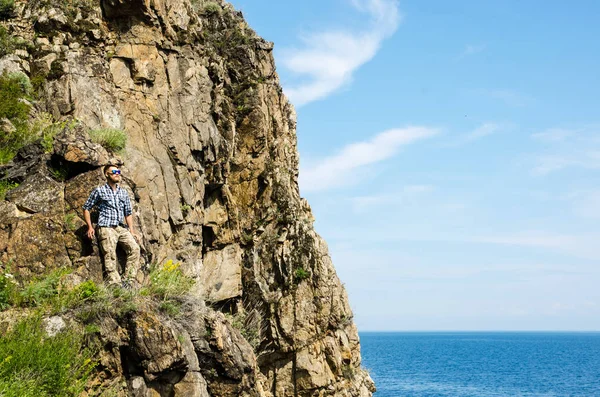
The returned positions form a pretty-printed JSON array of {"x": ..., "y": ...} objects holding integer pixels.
[{"x": 115, "y": 172}]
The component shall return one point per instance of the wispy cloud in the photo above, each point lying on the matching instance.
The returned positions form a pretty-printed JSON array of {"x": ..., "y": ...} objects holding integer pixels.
[
  {"x": 367, "y": 203},
  {"x": 339, "y": 169},
  {"x": 566, "y": 148},
  {"x": 328, "y": 59},
  {"x": 481, "y": 131},
  {"x": 471, "y": 49},
  {"x": 553, "y": 135},
  {"x": 511, "y": 97},
  {"x": 585, "y": 203},
  {"x": 583, "y": 246}
]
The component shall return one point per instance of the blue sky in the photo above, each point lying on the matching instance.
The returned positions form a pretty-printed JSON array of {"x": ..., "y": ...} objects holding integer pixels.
[{"x": 451, "y": 154}]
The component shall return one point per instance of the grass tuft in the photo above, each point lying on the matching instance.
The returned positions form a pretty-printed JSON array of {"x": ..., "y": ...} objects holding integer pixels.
[
  {"x": 34, "y": 364},
  {"x": 168, "y": 282},
  {"x": 301, "y": 274},
  {"x": 7, "y": 9},
  {"x": 111, "y": 139},
  {"x": 5, "y": 186}
]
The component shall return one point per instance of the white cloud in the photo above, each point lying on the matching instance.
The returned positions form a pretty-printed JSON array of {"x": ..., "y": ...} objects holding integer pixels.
[
  {"x": 511, "y": 97},
  {"x": 583, "y": 246},
  {"x": 482, "y": 131},
  {"x": 471, "y": 49},
  {"x": 329, "y": 58},
  {"x": 553, "y": 135},
  {"x": 367, "y": 203},
  {"x": 586, "y": 204},
  {"x": 547, "y": 163},
  {"x": 339, "y": 169},
  {"x": 566, "y": 148}
]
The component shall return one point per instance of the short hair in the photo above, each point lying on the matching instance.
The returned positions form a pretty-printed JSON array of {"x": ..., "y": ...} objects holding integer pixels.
[{"x": 107, "y": 167}]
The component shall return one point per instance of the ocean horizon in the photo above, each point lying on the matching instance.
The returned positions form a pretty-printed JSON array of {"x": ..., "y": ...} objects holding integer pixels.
[{"x": 483, "y": 363}]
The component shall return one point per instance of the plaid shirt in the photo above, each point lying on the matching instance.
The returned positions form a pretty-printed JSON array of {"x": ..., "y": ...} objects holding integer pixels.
[{"x": 112, "y": 206}]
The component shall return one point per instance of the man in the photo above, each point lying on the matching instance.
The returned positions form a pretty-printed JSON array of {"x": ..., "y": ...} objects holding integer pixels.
[{"x": 115, "y": 226}]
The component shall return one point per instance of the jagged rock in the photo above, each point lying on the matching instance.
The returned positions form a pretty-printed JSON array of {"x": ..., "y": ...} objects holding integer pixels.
[
  {"x": 74, "y": 145},
  {"x": 52, "y": 20},
  {"x": 221, "y": 275},
  {"x": 11, "y": 64},
  {"x": 138, "y": 387},
  {"x": 192, "y": 385},
  {"x": 38, "y": 194},
  {"x": 28, "y": 161},
  {"x": 126, "y": 8},
  {"x": 156, "y": 347}
]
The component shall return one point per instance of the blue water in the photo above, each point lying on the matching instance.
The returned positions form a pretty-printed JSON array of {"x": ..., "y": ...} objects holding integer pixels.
[{"x": 483, "y": 364}]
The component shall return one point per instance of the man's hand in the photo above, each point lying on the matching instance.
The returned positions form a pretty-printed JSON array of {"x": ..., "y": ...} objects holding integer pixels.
[
  {"x": 91, "y": 233},
  {"x": 136, "y": 237}
]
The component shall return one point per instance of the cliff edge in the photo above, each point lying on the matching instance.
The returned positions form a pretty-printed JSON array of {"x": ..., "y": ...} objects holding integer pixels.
[{"x": 212, "y": 163}]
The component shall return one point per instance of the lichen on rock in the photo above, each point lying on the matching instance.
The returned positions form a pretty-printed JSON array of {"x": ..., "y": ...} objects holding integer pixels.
[{"x": 212, "y": 165}]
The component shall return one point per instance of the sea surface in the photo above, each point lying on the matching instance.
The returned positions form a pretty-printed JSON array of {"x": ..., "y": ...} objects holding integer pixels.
[{"x": 482, "y": 364}]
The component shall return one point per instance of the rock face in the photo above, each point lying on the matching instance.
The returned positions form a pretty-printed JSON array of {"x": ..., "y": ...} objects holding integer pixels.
[{"x": 211, "y": 161}]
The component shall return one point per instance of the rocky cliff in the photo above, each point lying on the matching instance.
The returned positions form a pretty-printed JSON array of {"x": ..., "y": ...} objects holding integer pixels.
[{"x": 211, "y": 161}]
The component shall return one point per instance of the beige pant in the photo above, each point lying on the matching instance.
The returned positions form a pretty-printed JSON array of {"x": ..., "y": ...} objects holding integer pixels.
[{"x": 108, "y": 238}]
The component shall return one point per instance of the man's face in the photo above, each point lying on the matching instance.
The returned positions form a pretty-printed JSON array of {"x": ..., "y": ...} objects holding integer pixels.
[{"x": 113, "y": 174}]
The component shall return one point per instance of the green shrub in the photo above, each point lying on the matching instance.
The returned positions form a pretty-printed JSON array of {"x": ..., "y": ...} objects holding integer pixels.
[
  {"x": 48, "y": 292},
  {"x": 110, "y": 138},
  {"x": 86, "y": 290},
  {"x": 167, "y": 282},
  {"x": 94, "y": 302},
  {"x": 70, "y": 223},
  {"x": 42, "y": 290},
  {"x": 14, "y": 90},
  {"x": 15, "y": 93},
  {"x": 14, "y": 87},
  {"x": 247, "y": 327},
  {"x": 172, "y": 308},
  {"x": 7, "y": 42},
  {"x": 92, "y": 329},
  {"x": 211, "y": 8},
  {"x": 301, "y": 274},
  {"x": 35, "y": 364},
  {"x": 5, "y": 186},
  {"x": 60, "y": 172},
  {"x": 7, "y": 9},
  {"x": 8, "y": 290},
  {"x": 45, "y": 129}
]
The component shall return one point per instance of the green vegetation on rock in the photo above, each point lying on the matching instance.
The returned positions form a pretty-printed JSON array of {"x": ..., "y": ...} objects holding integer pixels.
[
  {"x": 7, "y": 42},
  {"x": 16, "y": 129},
  {"x": 14, "y": 112},
  {"x": 111, "y": 139},
  {"x": 167, "y": 283},
  {"x": 301, "y": 274},
  {"x": 5, "y": 186},
  {"x": 7, "y": 9},
  {"x": 211, "y": 7},
  {"x": 35, "y": 364}
]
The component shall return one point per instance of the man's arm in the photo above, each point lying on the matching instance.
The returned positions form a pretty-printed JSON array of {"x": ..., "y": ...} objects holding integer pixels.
[
  {"x": 129, "y": 217},
  {"x": 88, "y": 219},
  {"x": 91, "y": 201},
  {"x": 129, "y": 221}
]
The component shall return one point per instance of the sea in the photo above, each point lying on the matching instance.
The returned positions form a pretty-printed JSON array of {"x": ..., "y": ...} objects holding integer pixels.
[{"x": 483, "y": 364}]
